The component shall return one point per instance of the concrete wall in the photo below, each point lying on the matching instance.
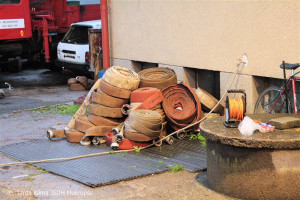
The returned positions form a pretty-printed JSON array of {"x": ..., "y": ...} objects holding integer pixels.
[
  {"x": 207, "y": 34},
  {"x": 201, "y": 40}
]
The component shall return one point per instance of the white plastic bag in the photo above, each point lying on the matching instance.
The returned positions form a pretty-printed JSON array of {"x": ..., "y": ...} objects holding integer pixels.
[{"x": 248, "y": 126}]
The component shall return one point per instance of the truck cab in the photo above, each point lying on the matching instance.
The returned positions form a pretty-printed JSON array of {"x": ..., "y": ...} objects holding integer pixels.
[{"x": 73, "y": 50}]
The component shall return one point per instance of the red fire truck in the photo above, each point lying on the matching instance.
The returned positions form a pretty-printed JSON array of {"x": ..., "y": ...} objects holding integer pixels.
[{"x": 31, "y": 29}]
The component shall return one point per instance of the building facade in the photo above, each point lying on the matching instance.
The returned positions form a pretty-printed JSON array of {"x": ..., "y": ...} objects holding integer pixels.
[{"x": 202, "y": 40}]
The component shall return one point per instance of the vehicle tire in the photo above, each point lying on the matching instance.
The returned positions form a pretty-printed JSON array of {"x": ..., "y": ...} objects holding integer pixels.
[
  {"x": 19, "y": 64},
  {"x": 16, "y": 65},
  {"x": 266, "y": 96},
  {"x": 52, "y": 67}
]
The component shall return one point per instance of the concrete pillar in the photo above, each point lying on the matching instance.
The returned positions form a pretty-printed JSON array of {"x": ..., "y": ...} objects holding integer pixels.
[
  {"x": 189, "y": 76},
  {"x": 121, "y": 62},
  {"x": 136, "y": 66}
]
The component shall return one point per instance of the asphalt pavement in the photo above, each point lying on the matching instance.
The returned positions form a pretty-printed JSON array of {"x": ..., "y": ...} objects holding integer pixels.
[{"x": 36, "y": 88}]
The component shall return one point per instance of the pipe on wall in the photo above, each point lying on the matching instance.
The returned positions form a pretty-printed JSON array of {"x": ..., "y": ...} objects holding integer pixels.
[
  {"x": 105, "y": 37},
  {"x": 46, "y": 40}
]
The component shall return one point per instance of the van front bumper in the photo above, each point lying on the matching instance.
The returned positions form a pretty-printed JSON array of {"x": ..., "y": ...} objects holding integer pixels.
[{"x": 72, "y": 66}]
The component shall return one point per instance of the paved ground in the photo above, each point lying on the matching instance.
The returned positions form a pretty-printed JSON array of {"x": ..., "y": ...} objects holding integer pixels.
[
  {"x": 34, "y": 77},
  {"x": 33, "y": 97},
  {"x": 28, "y": 182},
  {"x": 35, "y": 88}
]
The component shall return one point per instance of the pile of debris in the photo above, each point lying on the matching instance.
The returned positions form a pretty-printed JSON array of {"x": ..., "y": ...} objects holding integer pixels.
[{"x": 126, "y": 109}]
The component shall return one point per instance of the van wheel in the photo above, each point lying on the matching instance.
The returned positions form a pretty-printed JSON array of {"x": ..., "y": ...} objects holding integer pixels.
[
  {"x": 90, "y": 75},
  {"x": 16, "y": 65}
]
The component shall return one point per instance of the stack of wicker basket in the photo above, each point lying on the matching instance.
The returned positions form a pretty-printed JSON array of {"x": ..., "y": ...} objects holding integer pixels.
[{"x": 105, "y": 110}]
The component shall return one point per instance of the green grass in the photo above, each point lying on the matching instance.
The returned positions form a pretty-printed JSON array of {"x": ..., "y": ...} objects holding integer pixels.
[
  {"x": 61, "y": 109},
  {"x": 68, "y": 109},
  {"x": 30, "y": 175},
  {"x": 45, "y": 171},
  {"x": 41, "y": 170},
  {"x": 198, "y": 136},
  {"x": 175, "y": 168},
  {"x": 26, "y": 166},
  {"x": 137, "y": 149},
  {"x": 29, "y": 179}
]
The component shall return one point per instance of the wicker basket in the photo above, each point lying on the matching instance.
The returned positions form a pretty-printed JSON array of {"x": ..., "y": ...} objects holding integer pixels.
[{"x": 208, "y": 101}]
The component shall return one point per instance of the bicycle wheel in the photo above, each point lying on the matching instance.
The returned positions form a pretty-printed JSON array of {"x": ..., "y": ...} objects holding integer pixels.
[{"x": 275, "y": 107}]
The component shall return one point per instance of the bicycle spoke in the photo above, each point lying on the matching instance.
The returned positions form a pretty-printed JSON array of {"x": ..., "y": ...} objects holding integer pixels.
[{"x": 272, "y": 100}]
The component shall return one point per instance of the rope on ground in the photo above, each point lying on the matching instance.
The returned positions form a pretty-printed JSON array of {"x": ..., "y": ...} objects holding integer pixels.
[{"x": 131, "y": 150}]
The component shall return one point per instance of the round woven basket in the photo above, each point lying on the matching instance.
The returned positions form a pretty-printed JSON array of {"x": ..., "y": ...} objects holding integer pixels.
[{"x": 208, "y": 101}]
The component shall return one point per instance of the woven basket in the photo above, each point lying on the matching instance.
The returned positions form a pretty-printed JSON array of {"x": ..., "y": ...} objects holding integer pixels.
[{"x": 208, "y": 101}]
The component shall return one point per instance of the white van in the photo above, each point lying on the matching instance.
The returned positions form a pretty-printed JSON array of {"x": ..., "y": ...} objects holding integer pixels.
[{"x": 73, "y": 49}]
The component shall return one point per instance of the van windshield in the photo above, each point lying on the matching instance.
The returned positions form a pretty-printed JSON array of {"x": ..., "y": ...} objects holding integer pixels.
[{"x": 77, "y": 35}]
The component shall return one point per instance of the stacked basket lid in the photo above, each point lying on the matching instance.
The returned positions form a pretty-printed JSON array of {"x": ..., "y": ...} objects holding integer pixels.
[
  {"x": 146, "y": 120},
  {"x": 180, "y": 104},
  {"x": 161, "y": 78},
  {"x": 80, "y": 83},
  {"x": 158, "y": 100},
  {"x": 105, "y": 110},
  {"x": 152, "y": 99}
]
